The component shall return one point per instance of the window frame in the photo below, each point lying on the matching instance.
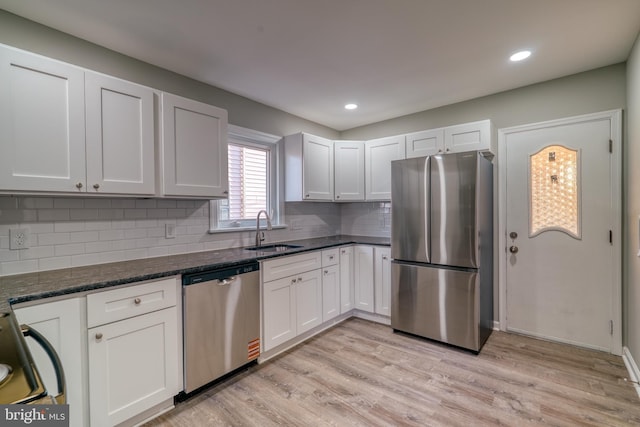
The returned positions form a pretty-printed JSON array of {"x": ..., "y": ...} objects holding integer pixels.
[{"x": 255, "y": 139}]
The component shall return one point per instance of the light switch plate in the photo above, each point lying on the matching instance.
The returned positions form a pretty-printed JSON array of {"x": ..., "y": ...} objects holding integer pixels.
[{"x": 169, "y": 231}]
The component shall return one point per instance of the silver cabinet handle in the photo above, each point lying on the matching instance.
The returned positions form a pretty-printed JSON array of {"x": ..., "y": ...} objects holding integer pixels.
[
  {"x": 137, "y": 301},
  {"x": 99, "y": 336},
  {"x": 79, "y": 185},
  {"x": 513, "y": 249}
]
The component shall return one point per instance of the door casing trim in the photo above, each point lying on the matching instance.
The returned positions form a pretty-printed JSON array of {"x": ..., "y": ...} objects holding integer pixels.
[{"x": 615, "y": 118}]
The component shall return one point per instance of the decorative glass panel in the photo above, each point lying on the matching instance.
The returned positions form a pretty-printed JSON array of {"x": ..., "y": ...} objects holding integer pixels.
[{"x": 554, "y": 191}]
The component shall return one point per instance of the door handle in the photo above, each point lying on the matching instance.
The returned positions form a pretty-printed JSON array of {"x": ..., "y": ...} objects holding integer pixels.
[{"x": 513, "y": 249}]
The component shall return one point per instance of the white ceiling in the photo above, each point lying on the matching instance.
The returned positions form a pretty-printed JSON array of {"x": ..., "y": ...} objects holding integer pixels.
[{"x": 392, "y": 57}]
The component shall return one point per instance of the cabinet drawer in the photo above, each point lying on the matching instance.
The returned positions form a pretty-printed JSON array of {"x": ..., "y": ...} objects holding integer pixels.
[
  {"x": 290, "y": 265},
  {"x": 330, "y": 257},
  {"x": 110, "y": 306}
]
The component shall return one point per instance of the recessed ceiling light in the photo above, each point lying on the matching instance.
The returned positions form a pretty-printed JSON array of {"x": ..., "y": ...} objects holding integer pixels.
[
  {"x": 519, "y": 56},
  {"x": 351, "y": 106}
]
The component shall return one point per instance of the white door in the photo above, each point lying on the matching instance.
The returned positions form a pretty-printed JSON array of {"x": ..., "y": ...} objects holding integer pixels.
[
  {"x": 378, "y": 155},
  {"x": 363, "y": 278},
  {"x": 562, "y": 240},
  {"x": 308, "y": 301},
  {"x": 317, "y": 169},
  {"x": 349, "y": 170},
  {"x": 330, "y": 292},
  {"x": 382, "y": 280},
  {"x": 346, "y": 279}
]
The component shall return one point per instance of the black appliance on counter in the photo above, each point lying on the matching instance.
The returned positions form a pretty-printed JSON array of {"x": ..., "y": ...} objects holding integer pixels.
[{"x": 20, "y": 382}]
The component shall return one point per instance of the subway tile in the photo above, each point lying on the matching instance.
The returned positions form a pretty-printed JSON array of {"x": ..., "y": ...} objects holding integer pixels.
[
  {"x": 97, "y": 203},
  {"x": 69, "y": 249},
  {"x": 67, "y": 226},
  {"x": 53, "y": 215},
  {"x": 54, "y": 263},
  {"x": 147, "y": 242},
  {"x": 176, "y": 213},
  {"x": 37, "y": 203},
  {"x": 36, "y": 252},
  {"x": 72, "y": 203},
  {"x": 110, "y": 214},
  {"x": 84, "y": 236},
  {"x": 123, "y": 203},
  {"x": 145, "y": 203},
  {"x": 135, "y": 233},
  {"x": 98, "y": 258},
  {"x": 176, "y": 249},
  {"x": 41, "y": 227},
  {"x": 94, "y": 247},
  {"x": 165, "y": 203},
  {"x": 8, "y": 203},
  {"x": 19, "y": 267},
  {"x": 45, "y": 239},
  {"x": 157, "y": 213},
  {"x": 158, "y": 251},
  {"x": 83, "y": 214},
  {"x": 195, "y": 247},
  {"x": 119, "y": 245},
  {"x": 156, "y": 232},
  {"x": 146, "y": 223},
  {"x": 134, "y": 254},
  {"x": 135, "y": 213},
  {"x": 111, "y": 234},
  {"x": 4, "y": 242},
  {"x": 124, "y": 224},
  {"x": 97, "y": 225},
  {"x": 8, "y": 255}
]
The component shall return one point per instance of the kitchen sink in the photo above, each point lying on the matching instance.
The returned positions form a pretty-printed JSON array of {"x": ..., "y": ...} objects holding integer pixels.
[{"x": 279, "y": 247}]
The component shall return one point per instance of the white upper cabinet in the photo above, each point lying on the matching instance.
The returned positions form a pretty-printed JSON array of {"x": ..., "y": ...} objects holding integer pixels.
[
  {"x": 379, "y": 153},
  {"x": 475, "y": 136},
  {"x": 194, "y": 149},
  {"x": 308, "y": 168},
  {"x": 42, "y": 126},
  {"x": 425, "y": 143},
  {"x": 349, "y": 170},
  {"x": 120, "y": 136}
]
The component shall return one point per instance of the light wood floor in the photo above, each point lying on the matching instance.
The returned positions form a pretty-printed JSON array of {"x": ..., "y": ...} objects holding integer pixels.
[{"x": 362, "y": 374}]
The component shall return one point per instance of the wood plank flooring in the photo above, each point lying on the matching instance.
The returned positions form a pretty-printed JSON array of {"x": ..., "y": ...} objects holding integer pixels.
[{"x": 360, "y": 373}]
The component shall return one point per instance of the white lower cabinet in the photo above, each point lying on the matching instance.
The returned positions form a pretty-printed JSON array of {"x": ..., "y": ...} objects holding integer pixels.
[
  {"x": 363, "y": 278},
  {"x": 308, "y": 306},
  {"x": 279, "y": 317},
  {"x": 134, "y": 351},
  {"x": 346, "y": 279},
  {"x": 62, "y": 324},
  {"x": 382, "y": 280},
  {"x": 330, "y": 292}
]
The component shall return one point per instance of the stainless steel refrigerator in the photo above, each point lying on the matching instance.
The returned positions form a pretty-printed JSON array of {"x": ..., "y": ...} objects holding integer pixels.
[{"x": 442, "y": 248}]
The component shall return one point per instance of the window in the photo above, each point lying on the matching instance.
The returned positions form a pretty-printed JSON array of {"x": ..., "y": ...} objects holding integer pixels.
[{"x": 253, "y": 176}]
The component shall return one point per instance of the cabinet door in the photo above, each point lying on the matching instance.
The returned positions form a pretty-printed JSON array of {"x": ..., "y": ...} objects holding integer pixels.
[
  {"x": 278, "y": 310},
  {"x": 133, "y": 366},
  {"x": 330, "y": 292},
  {"x": 61, "y": 324},
  {"x": 364, "y": 296},
  {"x": 425, "y": 143},
  {"x": 349, "y": 170},
  {"x": 379, "y": 154},
  {"x": 382, "y": 279},
  {"x": 308, "y": 297},
  {"x": 317, "y": 168},
  {"x": 474, "y": 136},
  {"x": 194, "y": 148},
  {"x": 120, "y": 136},
  {"x": 346, "y": 279},
  {"x": 41, "y": 124}
]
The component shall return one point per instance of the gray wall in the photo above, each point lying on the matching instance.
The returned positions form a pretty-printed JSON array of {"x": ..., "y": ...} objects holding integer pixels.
[
  {"x": 592, "y": 91},
  {"x": 28, "y": 35},
  {"x": 631, "y": 291}
]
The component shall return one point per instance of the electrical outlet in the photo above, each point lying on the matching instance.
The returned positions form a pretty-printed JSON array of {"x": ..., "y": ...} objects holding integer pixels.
[
  {"x": 169, "y": 231},
  {"x": 19, "y": 238}
]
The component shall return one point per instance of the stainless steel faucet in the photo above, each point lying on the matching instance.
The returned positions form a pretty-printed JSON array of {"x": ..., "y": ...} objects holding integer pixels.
[{"x": 260, "y": 234}]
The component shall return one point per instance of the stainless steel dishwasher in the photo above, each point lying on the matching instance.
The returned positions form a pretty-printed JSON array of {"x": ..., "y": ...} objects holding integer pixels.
[{"x": 221, "y": 312}]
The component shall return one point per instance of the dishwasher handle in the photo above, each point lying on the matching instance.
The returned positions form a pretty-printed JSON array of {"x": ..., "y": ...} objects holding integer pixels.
[
  {"x": 28, "y": 331},
  {"x": 227, "y": 281}
]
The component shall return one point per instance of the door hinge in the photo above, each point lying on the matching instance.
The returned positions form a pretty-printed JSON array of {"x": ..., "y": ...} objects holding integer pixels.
[
  {"x": 611, "y": 237},
  {"x": 611, "y": 145},
  {"x": 611, "y": 327}
]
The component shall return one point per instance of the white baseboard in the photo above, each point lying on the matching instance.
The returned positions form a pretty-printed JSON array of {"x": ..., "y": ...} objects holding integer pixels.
[
  {"x": 632, "y": 368},
  {"x": 496, "y": 325}
]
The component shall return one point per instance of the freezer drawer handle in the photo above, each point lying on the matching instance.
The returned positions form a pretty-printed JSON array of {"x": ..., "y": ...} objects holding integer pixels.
[{"x": 227, "y": 281}]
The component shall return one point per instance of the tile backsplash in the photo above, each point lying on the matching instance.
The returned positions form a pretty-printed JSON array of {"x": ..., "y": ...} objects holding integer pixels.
[{"x": 70, "y": 232}]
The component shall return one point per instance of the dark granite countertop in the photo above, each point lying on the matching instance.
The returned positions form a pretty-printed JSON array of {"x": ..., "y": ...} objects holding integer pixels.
[{"x": 45, "y": 284}]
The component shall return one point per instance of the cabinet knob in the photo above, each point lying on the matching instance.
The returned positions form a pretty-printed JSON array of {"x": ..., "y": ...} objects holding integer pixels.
[
  {"x": 99, "y": 336},
  {"x": 343, "y": 251},
  {"x": 326, "y": 272},
  {"x": 385, "y": 257},
  {"x": 225, "y": 192},
  {"x": 440, "y": 151},
  {"x": 96, "y": 186},
  {"x": 79, "y": 185},
  {"x": 137, "y": 301},
  {"x": 293, "y": 281},
  {"x": 330, "y": 256},
  {"x": 306, "y": 196},
  {"x": 447, "y": 150},
  {"x": 299, "y": 279},
  {"x": 337, "y": 197}
]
